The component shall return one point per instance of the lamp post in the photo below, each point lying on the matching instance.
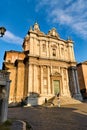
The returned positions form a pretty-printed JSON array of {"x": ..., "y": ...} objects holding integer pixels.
[{"x": 2, "y": 31}]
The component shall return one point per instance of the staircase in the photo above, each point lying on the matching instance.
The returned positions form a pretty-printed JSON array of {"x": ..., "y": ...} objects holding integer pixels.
[{"x": 63, "y": 101}]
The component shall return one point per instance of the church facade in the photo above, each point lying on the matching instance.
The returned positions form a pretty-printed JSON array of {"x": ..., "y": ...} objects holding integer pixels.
[{"x": 44, "y": 68}]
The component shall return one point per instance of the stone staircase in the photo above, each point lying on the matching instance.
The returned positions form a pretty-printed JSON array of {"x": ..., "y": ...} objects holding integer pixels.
[
  {"x": 63, "y": 101},
  {"x": 51, "y": 101}
]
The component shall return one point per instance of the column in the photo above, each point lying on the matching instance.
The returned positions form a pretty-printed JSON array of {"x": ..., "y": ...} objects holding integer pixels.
[
  {"x": 35, "y": 78},
  {"x": 30, "y": 79},
  {"x": 74, "y": 80},
  {"x": 19, "y": 84},
  {"x": 59, "y": 51},
  {"x": 47, "y": 46},
  {"x": 68, "y": 91},
  {"x": 49, "y": 89},
  {"x": 62, "y": 86},
  {"x": 64, "y": 56},
  {"x": 40, "y": 49},
  {"x": 34, "y": 47},
  {"x": 77, "y": 82},
  {"x": 31, "y": 46},
  {"x": 50, "y": 50},
  {"x": 41, "y": 80}
]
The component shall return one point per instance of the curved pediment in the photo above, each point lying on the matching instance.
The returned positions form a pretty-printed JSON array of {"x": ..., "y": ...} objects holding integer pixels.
[{"x": 53, "y": 32}]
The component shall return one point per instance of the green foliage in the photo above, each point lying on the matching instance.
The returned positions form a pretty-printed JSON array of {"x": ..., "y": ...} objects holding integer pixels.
[{"x": 6, "y": 125}]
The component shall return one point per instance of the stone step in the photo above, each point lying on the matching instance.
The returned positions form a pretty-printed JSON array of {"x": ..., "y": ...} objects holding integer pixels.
[
  {"x": 65, "y": 100},
  {"x": 51, "y": 101}
]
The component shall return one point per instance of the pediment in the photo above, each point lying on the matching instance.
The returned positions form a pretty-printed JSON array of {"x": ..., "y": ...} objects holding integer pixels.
[
  {"x": 54, "y": 33},
  {"x": 56, "y": 74},
  {"x": 36, "y": 29}
]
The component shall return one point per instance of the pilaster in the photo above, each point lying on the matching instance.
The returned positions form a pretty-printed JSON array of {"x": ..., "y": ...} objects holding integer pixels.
[
  {"x": 40, "y": 49},
  {"x": 31, "y": 45},
  {"x": 49, "y": 89},
  {"x": 47, "y": 46},
  {"x": 41, "y": 80},
  {"x": 62, "y": 89},
  {"x": 20, "y": 80},
  {"x": 30, "y": 79},
  {"x": 35, "y": 78}
]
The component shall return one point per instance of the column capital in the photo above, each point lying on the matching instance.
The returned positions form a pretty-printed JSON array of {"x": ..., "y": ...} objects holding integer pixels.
[{"x": 72, "y": 68}]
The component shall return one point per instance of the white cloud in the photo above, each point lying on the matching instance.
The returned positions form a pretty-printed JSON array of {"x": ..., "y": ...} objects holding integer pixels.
[
  {"x": 11, "y": 38},
  {"x": 69, "y": 12}
]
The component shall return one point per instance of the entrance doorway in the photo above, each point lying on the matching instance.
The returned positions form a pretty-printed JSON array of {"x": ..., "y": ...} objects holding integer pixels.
[{"x": 56, "y": 84}]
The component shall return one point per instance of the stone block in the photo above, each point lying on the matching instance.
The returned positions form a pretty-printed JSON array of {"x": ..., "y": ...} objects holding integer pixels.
[{"x": 18, "y": 125}]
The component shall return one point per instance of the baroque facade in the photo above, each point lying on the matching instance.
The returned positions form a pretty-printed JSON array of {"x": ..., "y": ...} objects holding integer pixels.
[{"x": 46, "y": 67}]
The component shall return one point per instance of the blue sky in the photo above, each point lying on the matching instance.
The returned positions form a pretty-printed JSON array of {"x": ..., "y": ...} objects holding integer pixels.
[{"x": 69, "y": 17}]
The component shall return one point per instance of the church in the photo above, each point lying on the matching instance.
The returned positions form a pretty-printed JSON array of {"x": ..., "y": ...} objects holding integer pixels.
[{"x": 44, "y": 68}]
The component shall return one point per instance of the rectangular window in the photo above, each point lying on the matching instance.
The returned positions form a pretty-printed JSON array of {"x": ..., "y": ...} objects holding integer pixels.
[
  {"x": 54, "y": 52},
  {"x": 44, "y": 47}
]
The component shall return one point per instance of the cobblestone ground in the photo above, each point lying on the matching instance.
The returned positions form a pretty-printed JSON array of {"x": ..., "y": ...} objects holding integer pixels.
[{"x": 69, "y": 117}]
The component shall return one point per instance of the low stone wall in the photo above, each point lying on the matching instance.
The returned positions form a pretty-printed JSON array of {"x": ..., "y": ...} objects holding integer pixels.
[{"x": 18, "y": 125}]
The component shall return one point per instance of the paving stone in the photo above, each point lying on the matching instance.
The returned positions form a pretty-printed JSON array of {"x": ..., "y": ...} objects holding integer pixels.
[{"x": 67, "y": 117}]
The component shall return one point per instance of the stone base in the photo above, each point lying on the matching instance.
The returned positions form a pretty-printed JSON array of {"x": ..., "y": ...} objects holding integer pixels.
[
  {"x": 34, "y": 101},
  {"x": 37, "y": 100},
  {"x": 78, "y": 97}
]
